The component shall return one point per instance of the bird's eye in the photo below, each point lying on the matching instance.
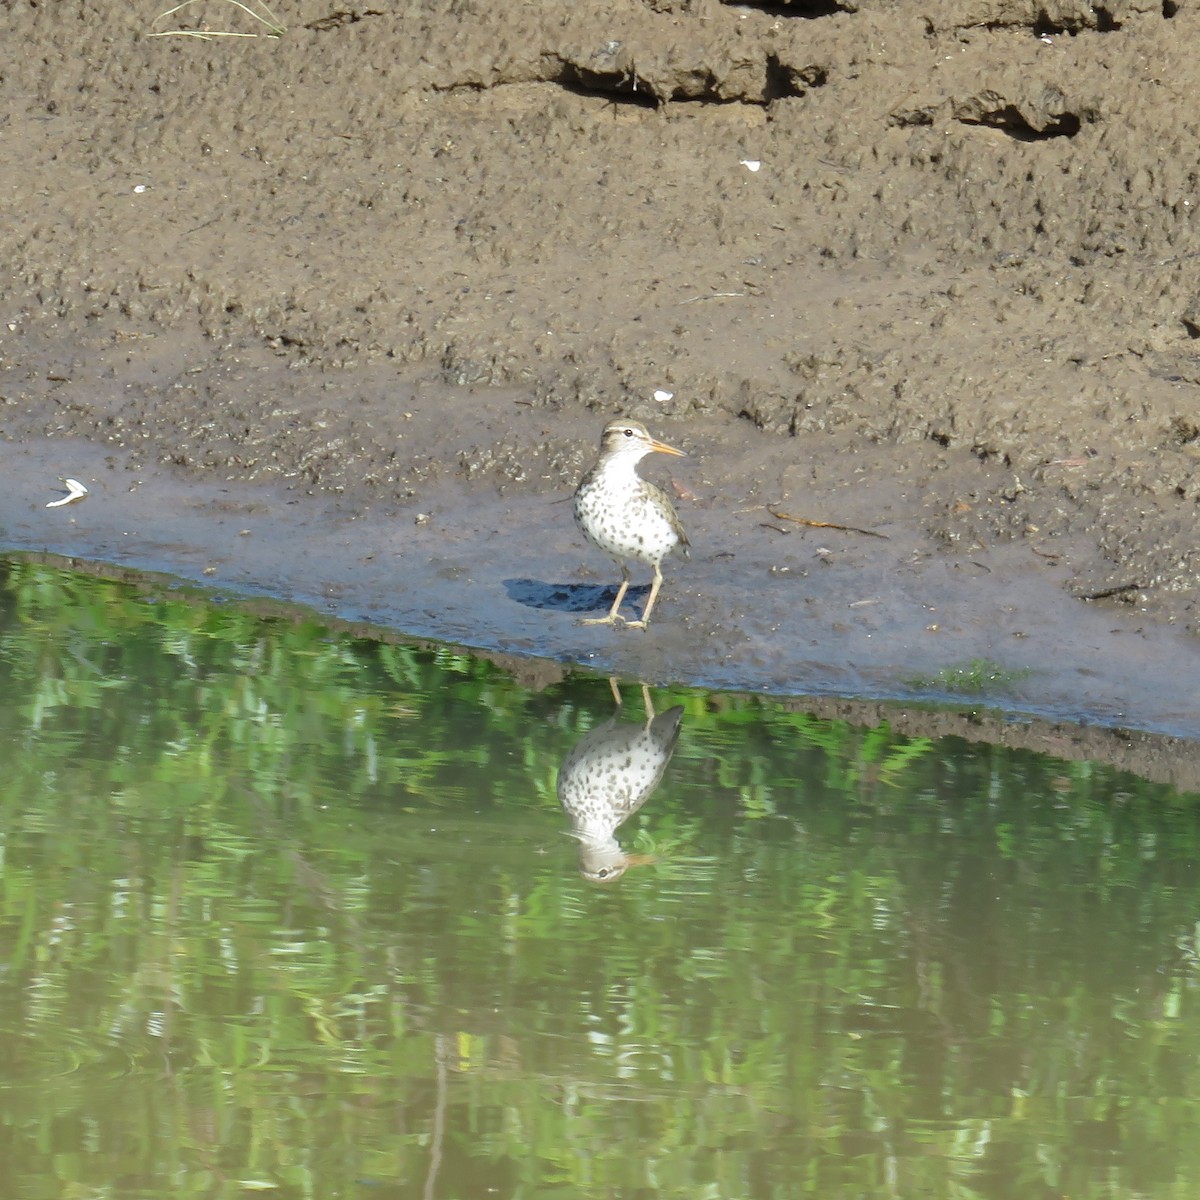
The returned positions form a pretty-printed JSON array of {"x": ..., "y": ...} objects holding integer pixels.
[
  {"x": 629, "y": 433},
  {"x": 602, "y": 873}
]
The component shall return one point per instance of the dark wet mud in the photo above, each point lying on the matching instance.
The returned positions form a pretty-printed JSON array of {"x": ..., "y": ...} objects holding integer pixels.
[{"x": 763, "y": 604}]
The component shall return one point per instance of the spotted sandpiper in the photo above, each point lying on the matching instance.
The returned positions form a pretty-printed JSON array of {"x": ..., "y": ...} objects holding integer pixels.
[
  {"x": 626, "y": 517},
  {"x": 607, "y": 777}
]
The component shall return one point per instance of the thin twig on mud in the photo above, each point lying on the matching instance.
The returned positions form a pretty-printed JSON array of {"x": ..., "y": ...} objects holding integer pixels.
[{"x": 782, "y": 516}]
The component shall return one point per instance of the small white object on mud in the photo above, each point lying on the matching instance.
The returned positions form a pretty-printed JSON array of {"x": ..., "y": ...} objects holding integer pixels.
[{"x": 75, "y": 491}]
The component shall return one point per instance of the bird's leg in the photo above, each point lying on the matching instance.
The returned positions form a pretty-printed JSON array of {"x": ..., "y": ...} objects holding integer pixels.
[
  {"x": 613, "y": 615},
  {"x": 645, "y": 620}
]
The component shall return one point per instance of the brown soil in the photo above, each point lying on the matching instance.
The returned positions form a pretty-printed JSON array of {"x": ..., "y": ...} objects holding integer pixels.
[{"x": 338, "y": 316}]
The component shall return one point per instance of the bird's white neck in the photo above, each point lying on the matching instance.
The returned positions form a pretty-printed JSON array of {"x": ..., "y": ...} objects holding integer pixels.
[{"x": 623, "y": 467}]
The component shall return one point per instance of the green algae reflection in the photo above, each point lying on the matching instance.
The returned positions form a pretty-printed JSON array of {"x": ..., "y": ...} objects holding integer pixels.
[{"x": 288, "y": 911}]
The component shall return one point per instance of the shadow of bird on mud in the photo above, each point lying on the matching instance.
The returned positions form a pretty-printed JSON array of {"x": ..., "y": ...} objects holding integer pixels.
[{"x": 569, "y": 597}]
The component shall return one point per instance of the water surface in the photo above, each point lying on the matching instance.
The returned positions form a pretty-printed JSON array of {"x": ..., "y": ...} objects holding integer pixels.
[{"x": 288, "y": 911}]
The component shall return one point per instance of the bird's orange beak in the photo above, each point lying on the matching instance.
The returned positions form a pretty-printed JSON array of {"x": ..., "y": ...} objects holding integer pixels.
[
  {"x": 663, "y": 448},
  {"x": 640, "y": 860}
]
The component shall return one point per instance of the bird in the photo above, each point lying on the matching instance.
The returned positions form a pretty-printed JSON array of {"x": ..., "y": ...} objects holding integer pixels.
[
  {"x": 626, "y": 517},
  {"x": 607, "y": 776}
]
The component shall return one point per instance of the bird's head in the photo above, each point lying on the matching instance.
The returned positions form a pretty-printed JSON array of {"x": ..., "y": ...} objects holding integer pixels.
[
  {"x": 631, "y": 440},
  {"x": 606, "y": 864}
]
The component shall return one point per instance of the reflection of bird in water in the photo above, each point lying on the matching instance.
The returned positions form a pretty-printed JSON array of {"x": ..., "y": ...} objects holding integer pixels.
[
  {"x": 626, "y": 517},
  {"x": 608, "y": 775}
]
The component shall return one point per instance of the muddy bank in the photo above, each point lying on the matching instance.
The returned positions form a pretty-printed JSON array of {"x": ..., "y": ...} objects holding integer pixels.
[
  {"x": 215, "y": 525},
  {"x": 932, "y": 276},
  {"x": 762, "y": 604}
]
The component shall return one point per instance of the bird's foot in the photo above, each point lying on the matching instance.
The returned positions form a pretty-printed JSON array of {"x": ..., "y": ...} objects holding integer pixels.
[{"x": 611, "y": 619}]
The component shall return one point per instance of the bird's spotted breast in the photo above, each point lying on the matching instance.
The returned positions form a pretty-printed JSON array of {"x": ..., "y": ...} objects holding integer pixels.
[{"x": 640, "y": 524}]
